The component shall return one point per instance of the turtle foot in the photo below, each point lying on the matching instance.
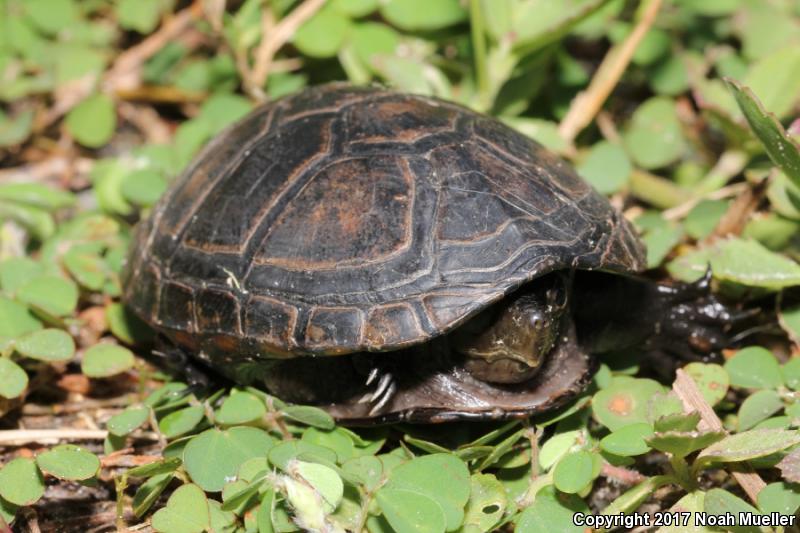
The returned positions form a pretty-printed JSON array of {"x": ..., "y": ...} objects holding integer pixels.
[
  {"x": 699, "y": 320},
  {"x": 179, "y": 362}
]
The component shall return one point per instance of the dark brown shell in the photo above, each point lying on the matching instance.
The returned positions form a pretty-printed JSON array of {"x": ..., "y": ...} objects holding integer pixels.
[{"x": 348, "y": 219}]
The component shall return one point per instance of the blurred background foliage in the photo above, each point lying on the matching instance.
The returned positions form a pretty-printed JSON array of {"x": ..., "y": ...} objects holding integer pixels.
[{"x": 103, "y": 103}]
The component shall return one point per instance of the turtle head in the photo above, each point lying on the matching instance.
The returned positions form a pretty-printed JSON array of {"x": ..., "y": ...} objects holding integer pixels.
[{"x": 509, "y": 343}]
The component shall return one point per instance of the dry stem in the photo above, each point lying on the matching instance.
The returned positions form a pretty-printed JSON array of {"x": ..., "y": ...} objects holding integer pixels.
[
  {"x": 691, "y": 397},
  {"x": 18, "y": 437},
  {"x": 274, "y": 36},
  {"x": 124, "y": 73},
  {"x": 587, "y": 103}
]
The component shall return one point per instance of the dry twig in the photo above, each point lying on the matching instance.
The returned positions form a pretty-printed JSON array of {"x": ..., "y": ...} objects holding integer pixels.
[
  {"x": 147, "y": 121},
  {"x": 48, "y": 169},
  {"x": 274, "y": 36},
  {"x": 680, "y": 211},
  {"x": 587, "y": 103},
  {"x": 691, "y": 397},
  {"x": 624, "y": 475},
  {"x": 18, "y": 437},
  {"x": 126, "y": 71},
  {"x": 740, "y": 211}
]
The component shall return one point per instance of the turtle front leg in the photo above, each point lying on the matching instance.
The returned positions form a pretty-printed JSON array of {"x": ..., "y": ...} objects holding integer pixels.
[
  {"x": 684, "y": 320},
  {"x": 702, "y": 323}
]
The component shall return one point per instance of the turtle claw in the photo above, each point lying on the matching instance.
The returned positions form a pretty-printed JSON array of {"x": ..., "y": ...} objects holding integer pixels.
[
  {"x": 372, "y": 375},
  {"x": 384, "y": 390},
  {"x": 385, "y": 398}
]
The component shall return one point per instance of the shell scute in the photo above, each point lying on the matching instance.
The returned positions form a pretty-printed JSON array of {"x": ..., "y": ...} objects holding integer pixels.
[
  {"x": 334, "y": 329},
  {"x": 218, "y": 311},
  {"x": 176, "y": 306}
]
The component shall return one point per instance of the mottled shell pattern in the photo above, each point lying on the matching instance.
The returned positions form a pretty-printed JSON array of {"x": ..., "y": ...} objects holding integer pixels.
[{"x": 346, "y": 219}]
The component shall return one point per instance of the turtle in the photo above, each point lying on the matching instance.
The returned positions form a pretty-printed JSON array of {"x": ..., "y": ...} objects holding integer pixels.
[{"x": 397, "y": 257}]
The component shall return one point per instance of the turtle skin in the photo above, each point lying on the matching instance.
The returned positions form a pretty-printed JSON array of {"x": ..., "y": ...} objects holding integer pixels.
[{"x": 344, "y": 220}]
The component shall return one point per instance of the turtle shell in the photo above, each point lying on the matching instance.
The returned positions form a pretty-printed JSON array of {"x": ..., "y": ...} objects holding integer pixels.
[{"x": 346, "y": 219}]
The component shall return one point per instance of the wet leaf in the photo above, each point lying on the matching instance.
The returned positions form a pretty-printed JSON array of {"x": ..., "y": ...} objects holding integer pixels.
[
  {"x": 624, "y": 402},
  {"x": 21, "y": 482},
  {"x": 703, "y": 218},
  {"x": 551, "y": 512},
  {"x": 755, "y": 368},
  {"x": 220, "y": 521},
  {"x": 371, "y": 39},
  {"x": 749, "y": 445},
  {"x": 69, "y": 462},
  {"x": 681, "y": 444},
  {"x": 15, "y": 319},
  {"x": 284, "y": 452},
  {"x": 779, "y": 497},
  {"x": 46, "y": 345},
  {"x": 106, "y": 360},
  {"x": 781, "y": 149},
  {"x": 355, "y": 8},
  {"x": 791, "y": 373},
  {"x": 86, "y": 267},
  {"x": 775, "y": 81},
  {"x": 239, "y": 408},
  {"x": 35, "y": 220},
  {"x": 139, "y": 15},
  {"x": 419, "y": 15},
  {"x": 156, "y": 468},
  {"x": 93, "y": 121},
  {"x": 449, "y": 487},
  {"x": 13, "y": 379},
  {"x": 719, "y": 502},
  {"x": 54, "y": 295},
  {"x": 148, "y": 493},
  {"x": 311, "y": 416},
  {"x": 181, "y": 421},
  {"x": 677, "y": 422},
  {"x": 487, "y": 502},
  {"x": 51, "y": 16},
  {"x": 411, "y": 512},
  {"x": 573, "y": 472},
  {"x": 17, "y": 271},
  {"x": 335, "y": 439},
  {"x": 143, "y": 187},
  {"x": 758, "y": 407},
  {"x": 36, "y": 195},
  {"x": 660, "y": 242},
  {"x": 322, "y": 35},
  {"x": 186, "y": 512},
  {"x": 628, "y": 440},
  {"x": 654, "y": 137},
  {"x": 15, "y": 130},
  {"x": 606, "y": 167},
  {"x": 324, "y": 480},
  {"x": 7, "y": 511},
  {"x": 230, "y": 448},
  {"x": 368, "y": 469}
]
